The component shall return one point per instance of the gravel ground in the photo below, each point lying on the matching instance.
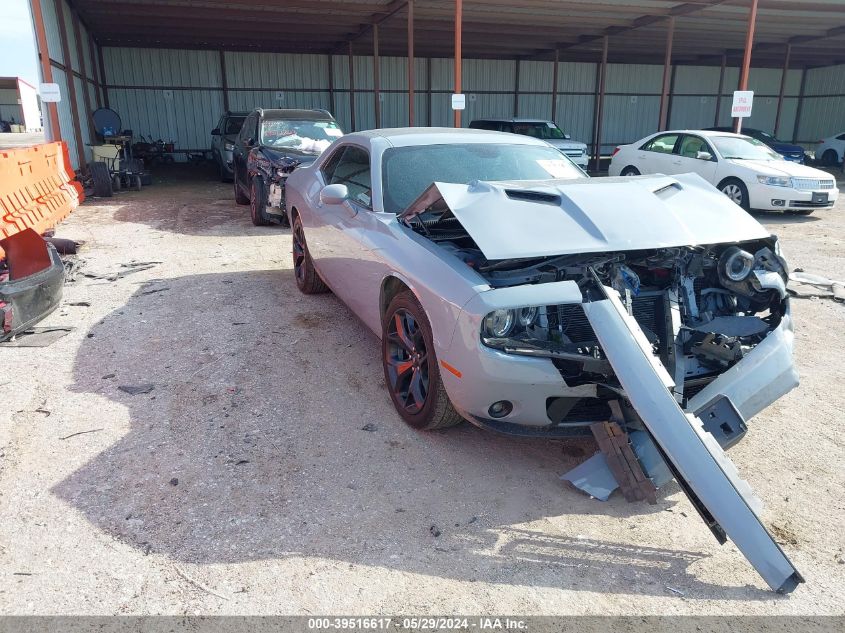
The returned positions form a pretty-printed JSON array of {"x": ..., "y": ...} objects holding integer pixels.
[{"x": 242, "y": 481}]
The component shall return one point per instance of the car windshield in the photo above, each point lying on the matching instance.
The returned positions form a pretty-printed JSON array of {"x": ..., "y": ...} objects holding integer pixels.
[
  {"x": 408, "y": 171},
  {"x": 540, "y": 129},
  {"x": 234, "y": 125},
  {"x": 744, "y": 148},
  {"x": 309, "y": 137}
]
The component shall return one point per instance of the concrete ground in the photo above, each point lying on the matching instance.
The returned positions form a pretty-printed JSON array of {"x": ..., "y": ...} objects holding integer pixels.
[{"x": 242, "y": 479}]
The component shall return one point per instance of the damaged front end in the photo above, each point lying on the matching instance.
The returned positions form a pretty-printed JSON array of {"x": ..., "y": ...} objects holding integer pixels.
[{"x": 670, "y": 329}]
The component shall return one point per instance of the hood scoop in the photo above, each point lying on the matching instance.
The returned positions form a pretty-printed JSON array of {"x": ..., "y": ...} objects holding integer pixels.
[{"x": 513, "y": 219}]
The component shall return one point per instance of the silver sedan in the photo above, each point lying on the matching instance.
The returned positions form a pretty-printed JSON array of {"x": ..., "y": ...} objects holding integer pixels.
[{"x": 510, "y": 290}]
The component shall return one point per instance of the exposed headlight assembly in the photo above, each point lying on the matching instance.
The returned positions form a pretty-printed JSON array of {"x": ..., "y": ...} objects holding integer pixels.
[
  {"x": 501, "y": 326},
  {"x": 228, "y": 146},
  {"x": 736, "y": 264},
  {"x": 775, "y": 181}
]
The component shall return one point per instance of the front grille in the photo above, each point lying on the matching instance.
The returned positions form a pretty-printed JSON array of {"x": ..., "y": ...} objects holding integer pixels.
[
  {"x": 569, "y": 319},
  {"x": 811, "y": 184},
  {"x": 584, "y": 410}
]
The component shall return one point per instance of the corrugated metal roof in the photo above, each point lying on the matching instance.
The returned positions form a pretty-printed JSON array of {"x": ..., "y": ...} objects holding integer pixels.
[{"x": 704, "y": 29}]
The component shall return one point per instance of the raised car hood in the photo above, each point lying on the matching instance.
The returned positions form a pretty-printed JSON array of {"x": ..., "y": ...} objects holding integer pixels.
[{"x": 560, "y": 217}]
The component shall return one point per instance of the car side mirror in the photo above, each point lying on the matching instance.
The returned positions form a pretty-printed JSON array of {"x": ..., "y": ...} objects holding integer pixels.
[
  {"x": 215, "y": 131},
  {"x": 704, "y": 156},
  {"x": 334, "y": 194}
]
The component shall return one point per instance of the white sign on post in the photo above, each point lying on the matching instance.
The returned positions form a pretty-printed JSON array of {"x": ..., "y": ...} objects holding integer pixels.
[
  {"x": 50, "y": 93},
  {"x": 459, "y": 102},
  {"x": 741, "y": 106}
]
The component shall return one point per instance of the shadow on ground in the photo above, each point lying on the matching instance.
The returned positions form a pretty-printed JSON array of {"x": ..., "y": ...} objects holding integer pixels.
[
  {"x": 252, "y": 445},
  {"x": 188, "y": 199}
]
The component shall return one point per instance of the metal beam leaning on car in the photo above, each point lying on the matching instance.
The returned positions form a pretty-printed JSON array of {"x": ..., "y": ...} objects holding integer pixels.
[{"x": 702, "y": 469}]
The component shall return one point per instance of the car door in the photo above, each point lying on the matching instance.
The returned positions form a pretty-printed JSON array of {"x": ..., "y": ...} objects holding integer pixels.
[
  {"x": 656, "y": 156},
  {"x": 690, "y": 158},
  {"x": 247, "y": 136},
  {"x": 344, "y": 256}
]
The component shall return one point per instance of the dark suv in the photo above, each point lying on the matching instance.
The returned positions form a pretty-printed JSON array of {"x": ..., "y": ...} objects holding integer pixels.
[
  {"x": 271, "y": 144},
  {"x": 223, "y": 141}
]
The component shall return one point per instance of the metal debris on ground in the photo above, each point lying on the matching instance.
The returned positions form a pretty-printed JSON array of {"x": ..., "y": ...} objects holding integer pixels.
[
  {"x": 38, "y": 337},
  {"x": 129, "y": 269},
  {"x": 806, "y": 285},
  {"x": 616, "y": 447}
]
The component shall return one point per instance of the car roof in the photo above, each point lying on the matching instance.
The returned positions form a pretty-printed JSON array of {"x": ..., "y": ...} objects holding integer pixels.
[
  {"x": 309, "y": 115},
  {"x": 405, "y": 136},
  {"x": 514, "y": 120},
  {"x": 707, "y": 133}
]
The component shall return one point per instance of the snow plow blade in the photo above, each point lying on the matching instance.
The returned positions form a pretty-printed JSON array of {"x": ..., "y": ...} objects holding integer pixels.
[{"x": 698, "y": 463}]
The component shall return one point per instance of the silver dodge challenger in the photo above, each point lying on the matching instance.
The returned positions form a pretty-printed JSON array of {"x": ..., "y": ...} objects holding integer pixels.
[{"x": 510, "y": 290}]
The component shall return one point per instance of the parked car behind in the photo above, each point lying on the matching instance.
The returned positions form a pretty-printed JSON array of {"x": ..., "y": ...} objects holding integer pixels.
[
  {"x": 831, "y": 150},
  {"x": 795, "y": 153},
  {"x": 538, "y": 128},
  {"x": 223, "y": 142},
  {"x": 270, "y": 145},
  {"x": 743, "y": 168}
]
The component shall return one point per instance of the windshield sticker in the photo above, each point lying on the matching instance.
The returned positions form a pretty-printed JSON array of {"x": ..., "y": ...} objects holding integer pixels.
[
  {"x": 556, "y": 168},
  {"x": 333, "y": 131}
]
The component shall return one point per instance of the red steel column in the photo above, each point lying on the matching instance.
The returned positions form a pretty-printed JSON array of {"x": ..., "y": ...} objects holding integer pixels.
[
  {"x": 459, "y": 10},
  {"x": 376, "y": 77},
  {"x": 554, "y": 85},
  {"x": 782, "y": 87},
  {"x": 71, "y": 84},
  {"x": 351, "y": 88},
  {"x": 411, "y": 67},
  {"x": 746, "y": 58},
  {"x": 721, "y": 88},
  {"x": 600, "y": 104},
  {"x": 667, "y": 63},
  {"x": 46, "y": 69}
]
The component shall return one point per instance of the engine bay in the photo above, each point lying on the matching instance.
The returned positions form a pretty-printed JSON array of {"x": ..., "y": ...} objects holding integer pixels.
[{"x": 702, "y": 308}]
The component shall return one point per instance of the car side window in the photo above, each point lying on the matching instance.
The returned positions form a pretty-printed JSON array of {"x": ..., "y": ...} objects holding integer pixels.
[
  {"x": 663, "y": 144},
  {"x": 841, "y": 137},
  {"x": 353, "y": 170},
  {"x": 248, "y": 129},
  {"x": 691, "y": 145},
  {"x": 331, "y": 164}
]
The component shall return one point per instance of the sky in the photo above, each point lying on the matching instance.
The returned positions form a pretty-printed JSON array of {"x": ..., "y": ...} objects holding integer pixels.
[{"x": 17, "y": 42}]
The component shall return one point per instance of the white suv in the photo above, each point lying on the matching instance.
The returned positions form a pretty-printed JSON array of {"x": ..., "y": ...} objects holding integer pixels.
[{"x": 542, "y": 129}]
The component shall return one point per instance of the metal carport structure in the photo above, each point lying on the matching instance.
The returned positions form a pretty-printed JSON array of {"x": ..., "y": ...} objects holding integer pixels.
[{"x": 609, "y": 70}]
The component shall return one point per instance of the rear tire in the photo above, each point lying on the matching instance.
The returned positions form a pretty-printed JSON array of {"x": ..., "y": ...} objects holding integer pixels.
[
  {"x": 307, "y": 279},
  {"x": 257, "y": 202},
  {"x": 116, "y": 183},
  {"x": 102, "y": 179},
  {"x": 830, "y": 158},
  {"x": 239, "y": 197},
  {"x": 411, "y": 372},
  {"x": 736, "y": 190},
  {"x": 136, "y": 182},
  {"x": 630, "y": 170}
]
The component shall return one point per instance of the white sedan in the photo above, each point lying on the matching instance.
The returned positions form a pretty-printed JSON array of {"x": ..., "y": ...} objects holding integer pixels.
[
  {"x": 831, "y": 150},
  {"x": 743, "y": 168}
]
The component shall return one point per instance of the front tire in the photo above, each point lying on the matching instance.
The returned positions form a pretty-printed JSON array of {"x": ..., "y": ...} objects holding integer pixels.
[
  {"x": 630, "y": 170},
  {"x": 307, "y": 279},
  {"x": 736, "y": 190},
  {"x": 411, "y": 372},
  {"x": 257, "y": 202}
]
